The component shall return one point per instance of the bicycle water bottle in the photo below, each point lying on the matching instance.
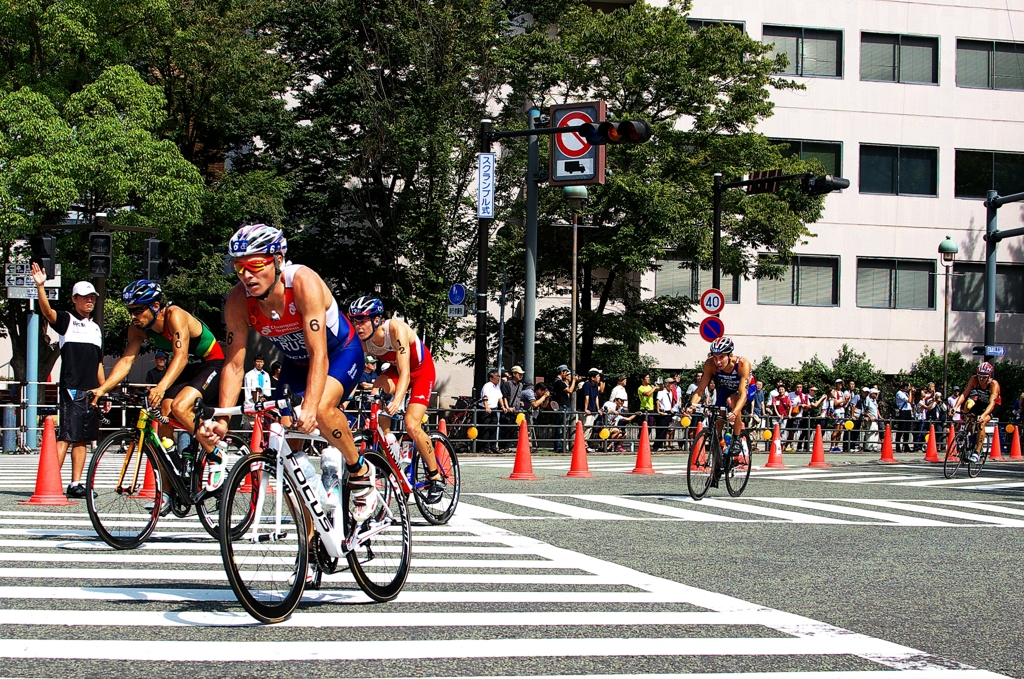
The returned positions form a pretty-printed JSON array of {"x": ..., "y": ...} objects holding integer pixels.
[
  {"x": 216, "y": 464},
  {"x": 407, "y": 449},
  {"x": 309, "y": 473},
  {"x": 396, "y": 453},
  {"x": 168, "y": 444},
  {"x": 728, "y": 442},
  {"x": 330, "y": 464}
]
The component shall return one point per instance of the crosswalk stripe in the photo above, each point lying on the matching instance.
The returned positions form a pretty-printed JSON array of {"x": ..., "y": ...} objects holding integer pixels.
[
  {"x": 554, "y": 507},
  {"x": 853, "y": 511},
  {"x": 763, "y": 511},
  {"x": 872, "y": 479},
  {"x": 831, "y": 475},
  {"x": 983, "y": 506},
  {"x": 948, "y": 513},
  {"x": 688, "y": 514},
  {"x": 808, "y": 674}
]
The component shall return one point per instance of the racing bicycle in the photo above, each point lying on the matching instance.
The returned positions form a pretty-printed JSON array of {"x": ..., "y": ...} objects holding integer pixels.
[
  {"x": 284, "y": 538},
  {"x": 707, "y": 464},
  {"x": 125, "y": 491},
  {"x": 961, "y": 447}
]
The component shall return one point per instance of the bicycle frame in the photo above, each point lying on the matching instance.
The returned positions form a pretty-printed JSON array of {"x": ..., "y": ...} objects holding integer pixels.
[{"x": 380, "y": 440}]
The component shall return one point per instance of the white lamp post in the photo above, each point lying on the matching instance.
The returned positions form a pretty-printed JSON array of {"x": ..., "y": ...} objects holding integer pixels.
[{"x": 948, "y": 250}]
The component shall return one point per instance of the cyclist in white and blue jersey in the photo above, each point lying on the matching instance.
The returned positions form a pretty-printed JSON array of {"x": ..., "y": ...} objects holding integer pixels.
[{"x": 732, "y": 375}]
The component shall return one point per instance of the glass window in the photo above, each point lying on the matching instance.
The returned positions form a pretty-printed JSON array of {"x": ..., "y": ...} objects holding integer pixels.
[
  {"x": 679, "y": 279},
  {"x": 811, "y": 52},
  {"x": 969, "y": 287},
  {"x": 895, "y": 283},
  {"x": 990, "y": 64},
  {"x": 979, "y": 171},
  {"x": 808, "y": 281},
  {"x": 899, "y": 58},
  {"x": 899, "y": 170},
  {"x": 828, "y": 153}
]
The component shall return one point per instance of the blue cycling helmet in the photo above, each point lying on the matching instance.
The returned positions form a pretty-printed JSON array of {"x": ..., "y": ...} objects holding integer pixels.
[
  {"x": 257, "y": 239},
  {"x": 367, "y": 307},
  {"x": 142, "y": 292}
]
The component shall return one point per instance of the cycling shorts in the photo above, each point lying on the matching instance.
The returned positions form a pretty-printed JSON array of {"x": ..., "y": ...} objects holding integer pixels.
[
  {"x": 978, "y": 408},
  {"x": 344, "y": 365},
  {"x": 203, "y": 377},
  {"x": 421, "y": 381},
  {"x": 722, "y": 397}
]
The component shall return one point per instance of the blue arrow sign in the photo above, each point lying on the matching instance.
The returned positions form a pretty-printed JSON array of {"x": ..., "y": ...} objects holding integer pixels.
[{"x": 457, "y": 294}]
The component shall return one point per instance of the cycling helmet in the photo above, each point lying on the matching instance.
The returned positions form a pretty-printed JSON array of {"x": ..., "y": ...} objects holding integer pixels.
[
  {"x": 985, "y": 369},
  {"x": 257, "y": 239},
  {"x": 142, "y": 292},
  {"x": 722, "y": 345},
  {"x": 367, "y": 307}
]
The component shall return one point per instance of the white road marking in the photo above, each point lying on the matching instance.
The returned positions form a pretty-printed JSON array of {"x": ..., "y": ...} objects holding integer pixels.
[
  {"x": 688, "y": 514},
  {"x": 948, "y": 513},
  {"x": 853, "y": 511},
  {"x": 735, "y": 506},
  {"x": 554, "y": 507}
]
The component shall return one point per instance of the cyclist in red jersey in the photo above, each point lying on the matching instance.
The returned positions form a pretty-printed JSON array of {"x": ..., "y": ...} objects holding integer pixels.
[{"x": 411, "y": 372}]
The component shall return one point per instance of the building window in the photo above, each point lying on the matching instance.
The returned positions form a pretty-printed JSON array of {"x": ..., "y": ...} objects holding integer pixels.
[
  {"x": 989, "y": 64},
  {"x": 828, "y": 153},
  {"x": 679, "y": 279},
  {"x": 899, "y": 58},
  {"x": 969, "y": 287},
  {"x": 697, "y": 24},
  {"x": 899, "y": 170},
  {"x": 809, "y": 281},
  {"x": 896, "y": 283},
  {"x": 979, "y": 171},
  {"x": 812, "y": 52}
]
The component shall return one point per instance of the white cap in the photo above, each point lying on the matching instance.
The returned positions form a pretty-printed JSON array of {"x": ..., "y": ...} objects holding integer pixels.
[{"x": 83, "y": 288}]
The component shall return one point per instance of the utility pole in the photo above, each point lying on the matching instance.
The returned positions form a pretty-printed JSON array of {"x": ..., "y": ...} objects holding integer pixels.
[
  {"x": 483, "y": 238},
  {"x": 992, "y": 237},
  {"x": 530, "y": 301}
]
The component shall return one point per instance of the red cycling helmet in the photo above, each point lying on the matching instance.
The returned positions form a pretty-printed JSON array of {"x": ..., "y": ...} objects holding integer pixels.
[{"x": 985, "y": 369}]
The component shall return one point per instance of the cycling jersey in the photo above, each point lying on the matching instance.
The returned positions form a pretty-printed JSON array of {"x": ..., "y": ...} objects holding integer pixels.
[
  {"x": 421, "y": 365},
  {"x": 728, "y": 384},
  {"x": 204, "y": 347}
]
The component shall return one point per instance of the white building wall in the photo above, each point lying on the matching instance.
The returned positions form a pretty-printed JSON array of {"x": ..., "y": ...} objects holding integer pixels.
[{"x": 853, "y": 112}]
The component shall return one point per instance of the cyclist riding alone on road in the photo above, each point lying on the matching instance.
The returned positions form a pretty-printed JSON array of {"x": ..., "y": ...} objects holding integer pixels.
[
  {"x": 293, "y": 308},
  {"x": 411, "y": 372},
  {"x": 732, "y": 375},
  {"x": 196, "y": 356},
  {"x": 982, "y": 397}
]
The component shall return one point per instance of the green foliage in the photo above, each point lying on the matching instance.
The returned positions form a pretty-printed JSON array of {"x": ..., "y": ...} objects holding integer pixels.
[{"x": 847, "y": 365}]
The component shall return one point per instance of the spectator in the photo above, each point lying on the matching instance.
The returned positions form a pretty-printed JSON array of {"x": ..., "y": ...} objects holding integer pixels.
[
  {"x": 799, "y": 406},
  {"x": 663, "y": 414},
  {"x": 756, "y": 408},
  {"x": 779, "y": 408},
  {"x": 536, "y": 400},
  {"x": 156, "y": 373},
  {"x": 857, "y": 414},
  {"x": 816, "y": 407},
  {"x": 81, "y": 370},
  {"x": 275, "y": 374},
  {"x": 490, "y": 399},
  {"x": 619, "y": 391},
  {"x": 873, "y": 422},
  {"x": 951, "y": 404},
  {"x": 257, "y": 383},
  {"x": 615, "y": 419},
  {"x": 645, "y": 392},
  {"x": 904, "y": 417},
  {"x": 591, "y": 404},
  {"x": 838, "y": 416},
  {"x": 511, "y": 392},
  {"x": 561, "y": 394},
  {"x": 369, "y": 372}
]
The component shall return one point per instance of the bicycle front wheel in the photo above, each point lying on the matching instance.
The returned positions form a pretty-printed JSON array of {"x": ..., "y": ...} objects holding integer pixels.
[
  {"x": 380, "y": 563},
  {"x": 700, "y": 470},
  {"x": 954, "y": 456},
  {"x": 738, "y": 466},
  {"x": 448, "y": 462},
  {"x": 974, "y": 468},
  {"x": 122, "y": 509},
  {"x": 266, "y": 564},
  {"x": 208, "y": 509}
]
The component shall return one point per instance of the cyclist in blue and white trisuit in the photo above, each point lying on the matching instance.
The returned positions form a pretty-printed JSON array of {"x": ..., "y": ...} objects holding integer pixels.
[
  {"x": 291, "y": 306},
  {"x": 732, "y": 377}
]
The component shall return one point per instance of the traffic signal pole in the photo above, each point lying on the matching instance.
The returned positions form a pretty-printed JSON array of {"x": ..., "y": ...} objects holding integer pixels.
[
  {"x": 483, "y": 237},
  {"x": 992, "y": 237},
  {"x": 530, "y": 300},
  {"x": 31, "y": 374}
]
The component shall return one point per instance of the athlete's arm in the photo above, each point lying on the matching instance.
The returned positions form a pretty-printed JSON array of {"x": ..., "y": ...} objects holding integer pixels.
[
  {"x": 963, "y": 394},
  {"x": 237, "y": 320},
  {"x": 709, "y": 369},
  {"x": 121, "y": 369},
  {"x": 741, "y": 395},
  {"x": 308, "y": 290},
  {"x": 993, "y": 398},
  {"x": 402, "y": 338},
  {"x": 45, "y": 310},
  {"x": 177, "y": 322}
]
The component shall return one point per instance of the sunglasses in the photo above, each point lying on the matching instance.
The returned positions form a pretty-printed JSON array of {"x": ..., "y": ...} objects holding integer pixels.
[
  {"x": 137, "y": 310},
  {"x": 252, "y": 265}
]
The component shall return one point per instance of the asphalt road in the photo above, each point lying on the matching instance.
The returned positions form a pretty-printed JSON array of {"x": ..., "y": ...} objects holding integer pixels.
[{"x": 856, "y": 569}]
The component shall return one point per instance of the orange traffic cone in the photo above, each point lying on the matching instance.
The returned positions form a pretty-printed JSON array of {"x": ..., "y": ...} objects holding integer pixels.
[
  {"x": 931, "y": 453},
  {"x": 1015, "y": 446},
  {"x": 444, "y": 462},
  {"x": 148, "y": 490},
  {"x": 643, "y": 453},
  {"x": 818, "y": 451},
  {"x": 775, "y": 455},
  {"x": 579, "y": 469},
  {"x": 523, "y": 468},
  {"x": 996, "y": 453},
  {"x": 698, "y": 443},
  {"x": 256, "y": 442},
  {"x": 49, "y": 487},
  {"x": 887, "y": 457}
]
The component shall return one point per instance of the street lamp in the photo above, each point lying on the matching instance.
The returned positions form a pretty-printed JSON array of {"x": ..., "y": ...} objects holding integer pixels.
[
  {"x": 948, "y": 250},
  {"x": 577, "y": 197}
]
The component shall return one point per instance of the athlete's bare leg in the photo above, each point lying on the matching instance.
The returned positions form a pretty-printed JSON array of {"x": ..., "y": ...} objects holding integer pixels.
[
  {"x": 333, "y": 423},
  {"x": 414, "y": 428}
]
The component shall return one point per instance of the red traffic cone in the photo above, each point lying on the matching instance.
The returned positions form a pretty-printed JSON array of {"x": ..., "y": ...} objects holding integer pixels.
[
  {"x": 1015, "y": 446},
  {"x": 698, "y": 443},
  {"x": 887, "y": 457},
  {"x": 49, "y": 487},
  {"x": 256, "y": 442},
  {"x": 931, "y": 453},
  {"x": 444, "y": 461},
  {"x": 996, "y": 453},
  {"x": 523, "y": 468},
  {"x": 775, "y": 455},
  {"x": 643, "y": 453},
  {"x": 148, "y": 490},
  {"x": 818, "y": 451},
  {"x": 579, "y": 469}
]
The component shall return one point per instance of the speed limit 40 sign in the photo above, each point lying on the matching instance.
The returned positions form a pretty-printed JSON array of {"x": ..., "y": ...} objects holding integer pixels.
[{"x": 712, "y": 301}]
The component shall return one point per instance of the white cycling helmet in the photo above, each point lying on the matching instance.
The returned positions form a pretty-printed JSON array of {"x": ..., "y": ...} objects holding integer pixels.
[{"x": 257, "y": 239}]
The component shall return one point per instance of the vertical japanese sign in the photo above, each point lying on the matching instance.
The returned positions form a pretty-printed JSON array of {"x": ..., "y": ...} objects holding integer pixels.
[{"x": 485, "y": 186}]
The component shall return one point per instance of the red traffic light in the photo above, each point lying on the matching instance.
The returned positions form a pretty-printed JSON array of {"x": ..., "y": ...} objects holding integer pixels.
[{"x": 623, "y": 132}]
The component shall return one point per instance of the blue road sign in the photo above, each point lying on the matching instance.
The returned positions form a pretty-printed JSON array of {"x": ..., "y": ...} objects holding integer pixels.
[
  {"x": 991, "y": 350},
  {"x": 457, "y": 294},
  {"x": 711, "y": 328}
]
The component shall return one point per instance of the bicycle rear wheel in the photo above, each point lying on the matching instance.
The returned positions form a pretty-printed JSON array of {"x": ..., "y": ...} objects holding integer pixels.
[
  {"x": 700, "y": 470},
  {"x": 954, "y": 455},
  {"x": 116, "y": 502},
  {"x": 737, "y": 470},
  {"x": 448, "y": 462},
  {"x": 380, "y": 564},
  {"x": 267, "y": 564},
  {"x": 208, "y": 509}
]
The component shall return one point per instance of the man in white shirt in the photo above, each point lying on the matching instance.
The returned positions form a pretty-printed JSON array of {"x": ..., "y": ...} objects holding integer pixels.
[
  {"x": 620, "y": 391},
  {"x": 256, "y": 383},
  {"x": 490, "y": 399}
]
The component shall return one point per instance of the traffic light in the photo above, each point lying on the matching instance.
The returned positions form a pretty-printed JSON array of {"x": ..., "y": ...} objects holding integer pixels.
[
  {"x": 154, "y": 259},
  {"x": 44, "y": 253},
  {"x": 816, "y": 185},
  {"x": 764, "y": 186},
  {"x": 623, "y": 132},
  {"x": 100, "y": 250}
]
